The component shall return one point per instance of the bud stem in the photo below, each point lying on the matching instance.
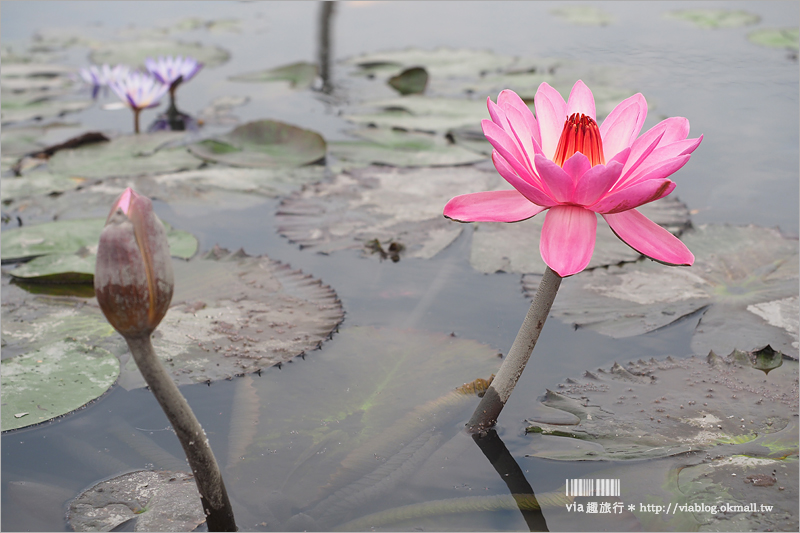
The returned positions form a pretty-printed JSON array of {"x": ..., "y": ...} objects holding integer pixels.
[
  {"x": 496, "y": 396},
  {"x": 213, "y": 496}
]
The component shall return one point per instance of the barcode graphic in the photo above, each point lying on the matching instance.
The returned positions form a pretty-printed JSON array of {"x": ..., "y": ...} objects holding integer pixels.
[{"x": 593, "y": 487}]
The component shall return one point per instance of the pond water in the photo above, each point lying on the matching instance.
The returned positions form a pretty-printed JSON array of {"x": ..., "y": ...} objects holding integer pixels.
[{"x": 742, "y": 97}]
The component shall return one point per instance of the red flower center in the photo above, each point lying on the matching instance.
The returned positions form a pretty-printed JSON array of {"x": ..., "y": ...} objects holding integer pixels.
[{"x": 580, "y": 134}]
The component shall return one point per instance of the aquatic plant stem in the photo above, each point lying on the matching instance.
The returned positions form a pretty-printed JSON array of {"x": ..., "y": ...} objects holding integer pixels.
[
  {"x": 496, "y": 396},
  {"x": 213, "y": 496},
  {"x": 136, "y": 120}
]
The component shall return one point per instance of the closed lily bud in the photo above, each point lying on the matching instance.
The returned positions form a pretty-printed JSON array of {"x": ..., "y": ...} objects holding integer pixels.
[{"x": 133, "y": 278}]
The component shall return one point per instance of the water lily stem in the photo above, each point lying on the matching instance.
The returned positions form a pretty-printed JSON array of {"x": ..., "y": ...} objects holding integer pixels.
[
  {"x": 136, "y": 120},
  {"x": 496, "y": 396},
  {"x": 213, "y": 496}
]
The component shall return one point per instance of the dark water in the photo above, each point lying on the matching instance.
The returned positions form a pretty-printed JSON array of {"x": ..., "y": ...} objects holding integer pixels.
[{"x": 742, "y": 97}]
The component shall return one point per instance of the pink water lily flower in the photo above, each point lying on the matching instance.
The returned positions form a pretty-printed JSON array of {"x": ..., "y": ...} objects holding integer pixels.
[{"x": 563, "y": 162}]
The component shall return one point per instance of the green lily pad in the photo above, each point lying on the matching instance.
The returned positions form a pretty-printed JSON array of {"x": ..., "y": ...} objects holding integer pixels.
[
  {"x": 440, "y": 62},
  {"x": 134, "y": 52},
  {"x": 420, "y": 113},
  {"x": 35, "y": 77},
  {"x": 70, "y": 236},
  {"x": 502, "y": 247},
  {"x": 411, "y": 81},
  {"x": 37, "y": 183},
  {"x": 58, "y": 268},
  {"x": 53, "y": 381},
  {"x": 402, "y": 149},
  {"x": 776, "y": 37},
  {"x": 18, "y": 107},
  {"x": 264, "y": 143},
  {"x": 126, "y": 156},
  {"x": 349, "y": 428},
  {"x": 745, "y": 278},
  {"x": 142, "y": 500},
  {"x": 715, "y": 18},
  {"x": 583, "y": 15},
  {"x": 299, "y": 75},
  {"x": 388, "y": 204},
  {"x": 664, "y": 408}
]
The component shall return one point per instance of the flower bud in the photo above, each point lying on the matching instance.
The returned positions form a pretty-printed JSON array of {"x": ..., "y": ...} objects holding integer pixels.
[{"x": 133, "y": 278}]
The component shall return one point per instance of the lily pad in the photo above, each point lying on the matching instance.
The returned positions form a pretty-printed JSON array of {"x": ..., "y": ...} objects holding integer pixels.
[
  {"x": 402, "y": 149},
  {"x": 420, "y": 113},
  {"x": 299, "y": 75},
  {"x": 502, "y": 247},
  {"x": 139, "y": 501},
  {"x": 37, "y": 183},
  {"x": 715, "y": 18},
  {"x": 348, "y": 429},
  {"x": 126, "y": 156},
  {"x": 18, "y": 107},
  {"x": 134, "y": 52},
  {"x": 648, "y": 409},
  {"x": 35, "y": 77},
  {"x": 53, "y": 381},
  {"x": 411, "y": 81},
  {"x": 70, "y": 236},
  {"x": 583, "y": 15},
  {"x": 234, "y": 314},
  {"x": 776, "y": 37},
  {"x": 381, "y": 203},
  {"x": 58, "y": 268},
  {"x": 440, "y": 62},
  {"x": 744, "y": 277},
  {"x": 264, "y": 143}
]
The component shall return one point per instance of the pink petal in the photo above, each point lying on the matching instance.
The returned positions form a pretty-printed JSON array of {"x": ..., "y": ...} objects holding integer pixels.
[
  {"x": 659, "y": 170},
  {"x": 623, "y": 124},
  {"x": 556, "y": 182},
  {"x": 508, "y": 148},
  {"x": 521, "y": 128},
  {"x": 576, "y": 166},
  {"x": 509, "y": 99},
  {"x": 497, "y": 113},
  {"x": 551, "y": 112},
  {"x": 596, "y": 182},
  {"x": 581, "y": 100},
  {"x": 642, "y": 152},
  {"x": 634, "y": 196},
  {"x": 491, "y": 206},
  {"x": 568, "y": 237},
  {"x": 531, "y": 190},
  {"x": 648, "y": 238}
]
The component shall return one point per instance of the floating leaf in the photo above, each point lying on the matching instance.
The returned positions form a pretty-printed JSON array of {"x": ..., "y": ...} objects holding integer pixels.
[
  {"x": 583, "y": 15},
  {"x": 37, "y": 183},
  {"x": 715, "y": 18},
  {"x": 381, "y": 203},
  {"x": 776, "y": 37},
  {"x": 745, "y": 276},
  {"x": 440, "y": 62},
  {"x": 411, "y": 81},
  {"x": 515, "y": 247},
  {"x": 57, "y": 268},
  {"x": 264, "y": 143},
  {"x": 136, "y": 51},
  {"x": 665, "y": 408},
  {"x": 420, "y": 113},
  {"x": 35, "y": 77},
  {"x": 139, "y": 501},
  {"x": 129, "y": 155},
  {"x": 53, "y": 381},
  {"x": 402, "y": 149},
  {"x": 70, "y": 236},
  {"x": 17, "y": 107},
  {"x": 365, "y": 415},
  {"x": 299, "y": 75}
]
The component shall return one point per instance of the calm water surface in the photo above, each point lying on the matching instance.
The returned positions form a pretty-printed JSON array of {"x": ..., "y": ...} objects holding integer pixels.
[{"x": 742, "y": 97}]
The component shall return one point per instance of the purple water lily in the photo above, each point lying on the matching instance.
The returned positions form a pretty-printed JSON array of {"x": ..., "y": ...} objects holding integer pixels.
[
  {"x": 139, "y": 91},
  {"x": 102, "y": 76},
  {"x": 172, "y": 71}
]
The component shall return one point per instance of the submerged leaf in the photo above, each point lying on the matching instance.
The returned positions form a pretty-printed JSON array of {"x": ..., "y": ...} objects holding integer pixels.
[
  {"x": 381, "y": 203},
  {"x": 665, "y": 408},
  {"x": 264, "y": 143},
  {"x": 346, "y": 429},
  {"x": 746, "y": 277},
  {"x": 139, "y": 501},
  {"x": 53, "y": 381}
]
